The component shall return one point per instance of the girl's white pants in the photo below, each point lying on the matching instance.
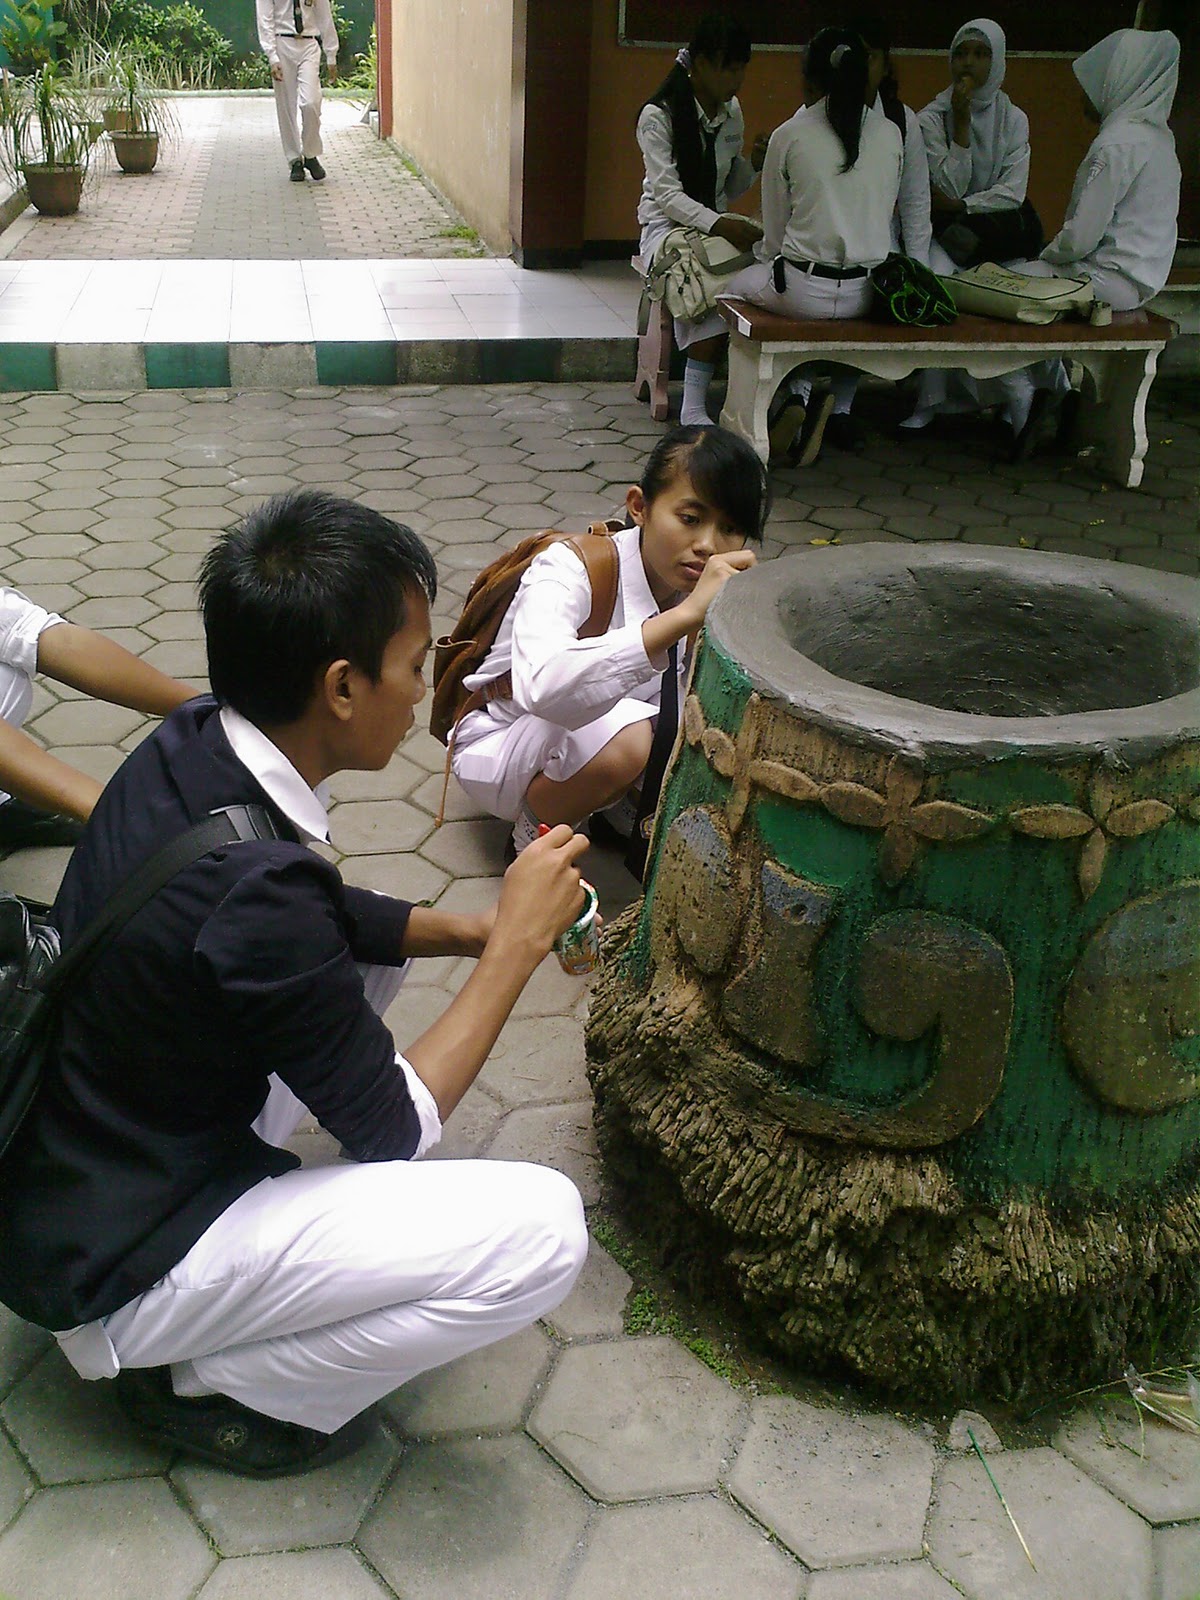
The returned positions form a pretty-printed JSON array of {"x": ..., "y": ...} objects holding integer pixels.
[{"x": 319, "y": 1292}]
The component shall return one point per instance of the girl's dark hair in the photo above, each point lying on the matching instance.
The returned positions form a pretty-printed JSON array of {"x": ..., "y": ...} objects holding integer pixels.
[
  {"x": 717, "y": 38},
  {"x": 303, "y": 580},
  {"x": 876, "y": 35},
  {"x": 724, "y": 470},
  {"x": 835, "y": 63}
]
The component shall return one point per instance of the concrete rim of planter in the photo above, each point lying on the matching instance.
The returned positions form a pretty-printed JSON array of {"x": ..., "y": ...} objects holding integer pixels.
[{"x": 1067, "y": 627}]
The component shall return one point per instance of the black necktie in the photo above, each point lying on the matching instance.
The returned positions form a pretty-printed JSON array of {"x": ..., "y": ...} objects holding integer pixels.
[
  {"x": 660, "y": 753},
  {"x": 297, "y": 18}
]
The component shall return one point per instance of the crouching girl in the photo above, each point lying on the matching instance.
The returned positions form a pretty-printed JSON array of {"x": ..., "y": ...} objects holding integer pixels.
[{"x": 582, "y": 728}]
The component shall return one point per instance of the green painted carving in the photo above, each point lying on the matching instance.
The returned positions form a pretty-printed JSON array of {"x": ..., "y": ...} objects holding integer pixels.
[{"x": 1131, "y": 1018}]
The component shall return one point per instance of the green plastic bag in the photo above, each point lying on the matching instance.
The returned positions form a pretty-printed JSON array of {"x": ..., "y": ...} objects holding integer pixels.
[{"x": 911, "y": 294}]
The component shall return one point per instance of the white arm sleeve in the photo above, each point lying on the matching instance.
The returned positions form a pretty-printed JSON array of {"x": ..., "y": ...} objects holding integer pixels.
[{"x": 654, "y": 141}]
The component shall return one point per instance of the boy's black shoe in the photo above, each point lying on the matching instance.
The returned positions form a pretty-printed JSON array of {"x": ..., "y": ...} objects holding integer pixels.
[
  {"x": 217, "y": 1429},
  {"x": 297, "y": 172},
  {"x": 24, "y": 827},
  {"x": 315, "y": 168}
]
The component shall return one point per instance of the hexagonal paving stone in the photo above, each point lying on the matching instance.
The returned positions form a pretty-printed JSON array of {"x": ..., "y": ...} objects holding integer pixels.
[
  {"x": 537, "y": 1059},
  {"x": 1177, "y": 1560},
  {"x": 683, "y": 1547},
  {"x": 559, "y": 1136},
  {"x": 246, "y": 1517},
  {"x": 912, "y": 1580},
  {"x": 487, "y": 1519},
  {"x": 311, "y": 1575},
  {"x": 377, "y": 826},
  {"x": 21, "y": 1344},
  {"x": 1083, "y": 1541},
  {"x": 16, "y": 1485},
  {"x": 838, "y": 1489},
  {"x": 485, "y": 1392},
  {"x": 471, "y": 1126},
  {"x": 468, "y": 849},
  {"x": 595, "y": 1307},
  {"x": 392, "y": 782},
  {"x": 104, "y": 1541},
  {"x": 1155, "y": 1468},
  {"x": 72, "y": 1431},
  {"x": 636, "y": 1418},
  {"x": 551, "y": 992}
]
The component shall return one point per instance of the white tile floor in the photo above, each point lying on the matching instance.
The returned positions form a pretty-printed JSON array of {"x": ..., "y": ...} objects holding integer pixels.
[{"x": 299, "y": 301}]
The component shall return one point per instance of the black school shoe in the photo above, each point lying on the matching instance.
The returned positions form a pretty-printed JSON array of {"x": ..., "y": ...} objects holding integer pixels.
[
  {"x": 297, "y": 172},
  {"x": 217, "y": 1429},
  {"x": 24, "y": 827},
  {"x": 843, "y": 433},
  {"x": 315, "y": 168}
]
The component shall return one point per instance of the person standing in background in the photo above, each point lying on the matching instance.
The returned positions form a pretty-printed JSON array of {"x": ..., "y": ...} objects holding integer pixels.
[{"x": 293, "y": 34}]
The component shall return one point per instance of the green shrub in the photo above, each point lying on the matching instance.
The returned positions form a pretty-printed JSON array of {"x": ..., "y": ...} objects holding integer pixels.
[{"x": 30, "y": 36}]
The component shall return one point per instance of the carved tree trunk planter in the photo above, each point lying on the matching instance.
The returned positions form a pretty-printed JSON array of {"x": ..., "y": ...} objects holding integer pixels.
[
  {"x": 901, "y": 1044},
  {"x": 54, "y": 191},
  {"x": 135, "y": 152}
]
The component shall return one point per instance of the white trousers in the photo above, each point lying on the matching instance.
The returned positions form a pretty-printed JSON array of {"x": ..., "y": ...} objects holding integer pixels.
[
  {"x": 317, "y": 1293},
  {"x": 807, "y": 296},
  {"x": 298, "y": 97}
]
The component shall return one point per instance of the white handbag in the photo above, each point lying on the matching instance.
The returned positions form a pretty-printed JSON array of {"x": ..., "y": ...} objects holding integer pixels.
[
  {"x": 691, "y": 269},
  {"x": 990, "y": 290}
]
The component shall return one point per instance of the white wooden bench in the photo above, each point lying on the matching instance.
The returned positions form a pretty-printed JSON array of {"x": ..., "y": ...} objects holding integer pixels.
[
  {"x": 1180, "y": 300},
  {"x": 1121, "y": 360}
]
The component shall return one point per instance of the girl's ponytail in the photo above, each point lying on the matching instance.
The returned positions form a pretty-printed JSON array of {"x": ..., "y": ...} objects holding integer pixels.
[{"x": 836, "y": 65}]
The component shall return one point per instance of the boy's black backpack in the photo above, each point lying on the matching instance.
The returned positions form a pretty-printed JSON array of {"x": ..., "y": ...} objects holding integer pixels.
[{"x": 34, "y": 976}]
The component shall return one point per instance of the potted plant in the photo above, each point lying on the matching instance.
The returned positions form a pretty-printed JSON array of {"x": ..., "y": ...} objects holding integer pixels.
[
  {"x": 135, "y": 94},
  {"x": 44, "y": 138}
]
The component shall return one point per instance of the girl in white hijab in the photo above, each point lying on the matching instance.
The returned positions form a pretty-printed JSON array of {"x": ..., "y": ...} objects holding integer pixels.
[{"x": 1120, "y": 228}]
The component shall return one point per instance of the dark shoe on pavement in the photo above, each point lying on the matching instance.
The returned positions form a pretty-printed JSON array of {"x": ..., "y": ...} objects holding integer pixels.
[
  {"x": 784, "y": 422},
  {"x": 24, "y": 827},
  {"x": 808, "y": 445},
  {"x": 316, "y": 170},
  {"x": 843, "y": 433},
  {"x": 1068, "y": 420},
  {"x": 297, "y": 172},
  {"x": 1039, "y": 427},
  {"x": 217, "y": 1429}
]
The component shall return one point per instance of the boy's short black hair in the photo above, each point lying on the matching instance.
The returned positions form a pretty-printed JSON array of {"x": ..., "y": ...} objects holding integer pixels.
[
  {"x": 722, "y": 466},
  {"x": 303, "y": 580}
]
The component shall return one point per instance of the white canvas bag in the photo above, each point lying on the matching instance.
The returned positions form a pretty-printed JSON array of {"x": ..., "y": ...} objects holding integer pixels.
[{"x": 990, "y": 290}]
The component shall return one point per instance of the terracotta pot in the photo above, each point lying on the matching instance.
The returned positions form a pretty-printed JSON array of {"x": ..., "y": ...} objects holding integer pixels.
[
  {"x": 136, "y": 152},
  {"x": 115, "y": 120},
  {"x": 54, "y": 191}
]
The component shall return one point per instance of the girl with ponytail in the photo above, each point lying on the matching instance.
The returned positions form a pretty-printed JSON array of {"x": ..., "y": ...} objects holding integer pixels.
[
  {"x": 830, "y": 182},
  {"x": 690, "y": 133}
]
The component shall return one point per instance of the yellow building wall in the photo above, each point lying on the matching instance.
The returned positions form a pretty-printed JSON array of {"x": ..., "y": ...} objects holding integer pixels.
[
  {"x": 622, "y": 78},
  {"x": 452, "y": 102}
]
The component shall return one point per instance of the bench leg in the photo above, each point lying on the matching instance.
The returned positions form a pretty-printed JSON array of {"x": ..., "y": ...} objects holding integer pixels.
[
  {"x": 655, "y": 334},
  {"x": 1118, "y": 422},
  {"x": 752, "y": 379}
]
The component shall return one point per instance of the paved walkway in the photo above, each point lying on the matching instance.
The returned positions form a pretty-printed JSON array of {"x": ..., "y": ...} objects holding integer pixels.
[
  {"x": 221, "y": 190},
  {"x": 577, "y": 1461}
]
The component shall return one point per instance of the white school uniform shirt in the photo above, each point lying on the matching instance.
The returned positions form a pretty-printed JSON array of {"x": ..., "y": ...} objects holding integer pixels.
[
  {"x": 992, "y": 173},
  {"x": 557, "y": 675},
  {"x": 305, "y": 809},
  {"x": 812, "y": 210},
  {"x": 912, "y": 229},
  {"x": 21, "y": 626},
  {"x": 665, "y": 204},
  {"x": 276, "y": 19},
  {"x": 1124, "y": 207}
]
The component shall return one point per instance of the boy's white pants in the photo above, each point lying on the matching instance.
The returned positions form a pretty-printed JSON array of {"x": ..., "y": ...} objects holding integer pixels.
[
  {"x": 298, "y": 97},
  {"x": 319, "y": 1292}
]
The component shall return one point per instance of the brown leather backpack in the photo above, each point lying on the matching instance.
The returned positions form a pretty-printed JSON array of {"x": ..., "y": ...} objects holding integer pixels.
[{"x": 463, "y": 651}]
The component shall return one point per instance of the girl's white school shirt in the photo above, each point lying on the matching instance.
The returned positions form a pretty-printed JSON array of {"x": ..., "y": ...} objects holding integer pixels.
[
  {"x": 992, "y": 172},
  {"x": 1123, "y": 210},
  {"x": 665, "y": 204},
  {"x": 812, "y": 210},
  {"x": 557, "y": 675},
  {"x": 912, "y": 227}
]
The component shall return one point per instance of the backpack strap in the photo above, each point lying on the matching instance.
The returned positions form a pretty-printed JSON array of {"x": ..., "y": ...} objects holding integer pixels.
[{"x": 231, "y": 825}]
